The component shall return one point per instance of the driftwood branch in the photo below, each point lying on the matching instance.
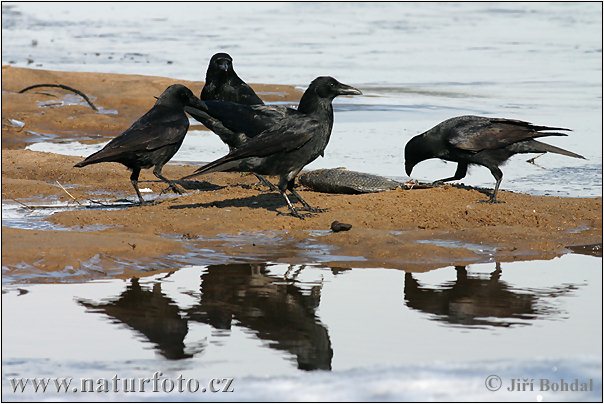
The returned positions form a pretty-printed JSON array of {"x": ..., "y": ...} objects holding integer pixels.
[
  {"x": 64, "y": 87},
  {"x": 532, "y": 160},
  {"x": 67, "y": 192},
  {"x": 78, "y": 202},
  {"x": 22, "y": 204}
]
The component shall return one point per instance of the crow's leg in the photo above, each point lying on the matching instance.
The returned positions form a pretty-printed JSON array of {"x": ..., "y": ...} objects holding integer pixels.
[
  {"x": 292, "y": 210},
  {"x": 266, "y": 182},
  {"x": 283, "y": 186},
  {"x": 498, "y": 177},
  {"x": 305, "y": 205},
  {"x": 462, "y": 170},
  {"x": 134, "y": 180},
  {"x": 171, "y": 184}
]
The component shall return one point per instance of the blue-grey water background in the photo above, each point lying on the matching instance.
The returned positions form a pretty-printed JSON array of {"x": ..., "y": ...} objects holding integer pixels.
[
  {"x": 313, "y": 332},
  {"x": 417, "y": 63},
  {"x": 425, "y": 336}
]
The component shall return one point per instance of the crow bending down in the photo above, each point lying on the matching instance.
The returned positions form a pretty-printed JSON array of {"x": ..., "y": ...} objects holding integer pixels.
[{"x": 479, "y": 140}]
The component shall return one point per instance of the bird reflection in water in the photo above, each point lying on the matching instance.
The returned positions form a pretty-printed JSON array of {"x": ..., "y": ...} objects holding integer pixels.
[
  {"x": 274, "y": 308},
  {"x": 479, "y": 301},
  {"x": 150, "y": 312}
]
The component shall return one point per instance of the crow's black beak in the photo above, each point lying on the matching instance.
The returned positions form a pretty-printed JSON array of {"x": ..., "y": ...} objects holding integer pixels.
[
  {"x": 223, "y": 65},
  {"x": 196, "y": 103},
  {"x": 157, "y": 98},
  {"x": 343, "y": 89}
]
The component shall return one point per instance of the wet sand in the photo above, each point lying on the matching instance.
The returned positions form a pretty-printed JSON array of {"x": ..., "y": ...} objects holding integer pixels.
[{"x": 386, "y": 227}]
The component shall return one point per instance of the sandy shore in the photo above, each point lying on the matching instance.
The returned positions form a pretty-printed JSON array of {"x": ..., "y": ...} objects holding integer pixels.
[{"x": 386, "y": 226}]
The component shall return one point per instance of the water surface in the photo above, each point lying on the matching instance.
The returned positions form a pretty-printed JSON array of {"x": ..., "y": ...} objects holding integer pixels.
[{"x": 259, "y": 321}]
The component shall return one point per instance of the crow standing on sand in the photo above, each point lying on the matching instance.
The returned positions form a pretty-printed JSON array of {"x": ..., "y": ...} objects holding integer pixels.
[
  {"x": 479, "y": 140},
  {"x": 153, "y": 139},
  {"x": 283, "y": 140},
  {"x": 223, "y": 84}
]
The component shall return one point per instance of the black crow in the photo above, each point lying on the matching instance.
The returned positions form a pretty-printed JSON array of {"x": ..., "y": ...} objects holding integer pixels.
[
  {"x": 282, "y": 140},
  {"x": 153, "y": 139},
  {"x": 479, "y": 140},
  {"x": 223, "y": 84}
]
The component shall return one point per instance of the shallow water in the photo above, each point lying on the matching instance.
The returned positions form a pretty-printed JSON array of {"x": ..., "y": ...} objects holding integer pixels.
[
  {"x": 417, "y": 64},
  {"x": 264, "y": 323},
  {"x": 33, "y": 217}
]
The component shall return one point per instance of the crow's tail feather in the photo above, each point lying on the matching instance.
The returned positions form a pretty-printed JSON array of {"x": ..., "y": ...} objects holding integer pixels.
[
  {"x": 535, "y": 146},
  {"x": 82, "y": 163},
  {"x": 92, "y": 159},
  {"x": 540, "y": 128},
  {"x": 222, "y": 164}
]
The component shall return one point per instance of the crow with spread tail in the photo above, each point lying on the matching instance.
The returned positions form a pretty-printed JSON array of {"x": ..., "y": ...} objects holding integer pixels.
[
  {"x": 488, "y": 142},
  {"x": 153, "y": 139},
  {"x": 223, "y": 84},
  {"x": 282, "y": 140}
]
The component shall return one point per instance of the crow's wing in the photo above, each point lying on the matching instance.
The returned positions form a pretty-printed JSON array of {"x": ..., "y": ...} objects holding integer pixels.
[
  {"x": 248, "y": 119},
  {"x": 279, "y": 139},
  {"x": 494, "y": 133},
  {"x": 525, "y": 124},
  {"x": 159, "y": 127},
  {"x": 246, "y": 95},
  {"x": 236, "y": 90}
]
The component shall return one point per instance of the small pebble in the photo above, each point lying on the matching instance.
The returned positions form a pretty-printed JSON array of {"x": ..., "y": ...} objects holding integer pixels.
[{"x": 338, "y": 227}]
